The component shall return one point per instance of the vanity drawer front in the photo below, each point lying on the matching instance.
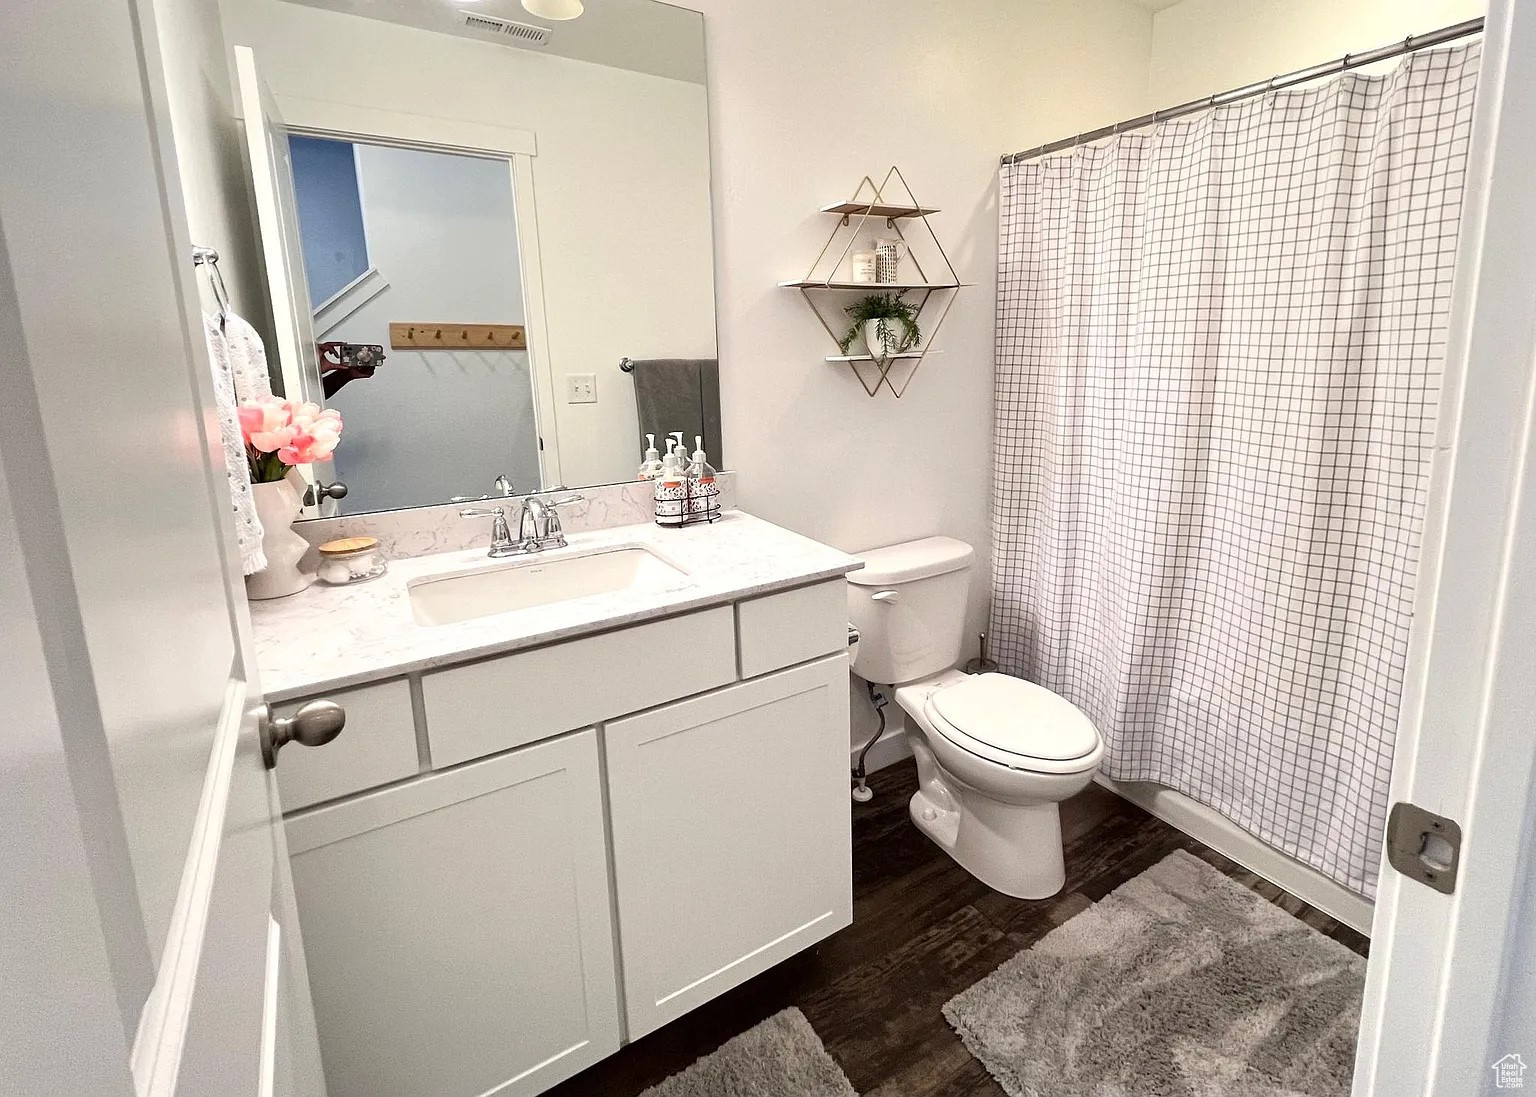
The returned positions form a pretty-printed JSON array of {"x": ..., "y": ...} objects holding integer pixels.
[
  {"x": 487, "y": 707},
  {"x": 796, "y": 626},
  {"x": 378, "y": 745}
]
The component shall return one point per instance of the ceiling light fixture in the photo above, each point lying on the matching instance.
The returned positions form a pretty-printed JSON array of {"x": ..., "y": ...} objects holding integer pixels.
[{"x": 554, "y": 9}]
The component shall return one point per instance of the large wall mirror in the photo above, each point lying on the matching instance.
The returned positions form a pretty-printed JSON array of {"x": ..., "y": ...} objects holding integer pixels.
[{"x": 487, "y": 237}]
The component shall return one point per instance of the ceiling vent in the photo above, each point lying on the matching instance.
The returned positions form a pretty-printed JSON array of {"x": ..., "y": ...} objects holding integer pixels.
[{"x": 524, "y": 34}]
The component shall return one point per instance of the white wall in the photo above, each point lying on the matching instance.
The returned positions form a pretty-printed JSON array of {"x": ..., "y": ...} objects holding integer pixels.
[
  {"x": 1200, "y": 47},
  {"x": 806, "y": 96},
  {"x": 429, "y": 425},
  {"x": 621, "y": 178},
  {"x": 209, "y": 160}
]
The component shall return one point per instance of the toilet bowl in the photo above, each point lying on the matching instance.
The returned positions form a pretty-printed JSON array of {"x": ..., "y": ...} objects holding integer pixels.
[
  {"x": 995, "y": 754},
  {"x": 995, "y": 757}
]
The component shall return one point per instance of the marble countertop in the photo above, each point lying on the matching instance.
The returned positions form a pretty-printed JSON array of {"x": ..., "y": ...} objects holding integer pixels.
[{"x": 329, "y": 637}]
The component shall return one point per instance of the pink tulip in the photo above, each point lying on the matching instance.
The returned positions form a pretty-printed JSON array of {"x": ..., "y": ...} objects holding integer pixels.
[
  {"x": 263, "y": 422},
  {"x": 296, "y": 433},
  {"x": 316, "y": 435}
]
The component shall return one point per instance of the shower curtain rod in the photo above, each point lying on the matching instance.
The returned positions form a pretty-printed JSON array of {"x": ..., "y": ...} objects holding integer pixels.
[{"x": 1274, "y": 83}]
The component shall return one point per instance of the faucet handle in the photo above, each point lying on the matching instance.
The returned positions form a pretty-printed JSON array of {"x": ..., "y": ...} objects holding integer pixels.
[
  {"x": 501, "y": 534},
  {"x": 552, "y": 519}
]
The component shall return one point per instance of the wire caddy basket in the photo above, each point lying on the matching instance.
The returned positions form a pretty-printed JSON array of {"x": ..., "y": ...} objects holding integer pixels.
[{"x": 692, "y": 501}]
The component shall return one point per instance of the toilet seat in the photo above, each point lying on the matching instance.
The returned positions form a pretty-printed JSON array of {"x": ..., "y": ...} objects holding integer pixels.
[{"x": 1015, "y": 723}]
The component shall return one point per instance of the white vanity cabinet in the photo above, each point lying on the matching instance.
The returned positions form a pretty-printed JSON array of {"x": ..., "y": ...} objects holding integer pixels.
[
  {"x": 610, "y": 831},
  {"x": 731, "y": 838},
  {"x": 458, "y": 929}
]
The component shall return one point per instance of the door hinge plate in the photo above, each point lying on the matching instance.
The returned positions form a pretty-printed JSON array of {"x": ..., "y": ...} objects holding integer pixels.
[{"x": 1424, "y": 846}]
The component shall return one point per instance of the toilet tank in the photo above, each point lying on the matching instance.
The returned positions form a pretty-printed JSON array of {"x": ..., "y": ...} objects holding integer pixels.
[{"x": 908, "y": 603}]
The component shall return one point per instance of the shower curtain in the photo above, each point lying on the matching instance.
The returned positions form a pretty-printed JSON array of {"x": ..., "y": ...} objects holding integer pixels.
[{"x": 1219, "y": 353}]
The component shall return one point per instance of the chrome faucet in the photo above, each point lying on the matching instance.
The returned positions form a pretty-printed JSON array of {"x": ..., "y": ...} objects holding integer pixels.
[
  {"x": 501, "y": 533},
  {"x": 539, "y": 528},
  {"x": 503, "y": 488}
]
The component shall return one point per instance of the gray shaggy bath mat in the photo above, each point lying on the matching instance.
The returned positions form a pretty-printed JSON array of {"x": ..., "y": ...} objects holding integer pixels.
[
  {"x": 1181, "y": 983},
  {"x": 782, "y": 1057}
]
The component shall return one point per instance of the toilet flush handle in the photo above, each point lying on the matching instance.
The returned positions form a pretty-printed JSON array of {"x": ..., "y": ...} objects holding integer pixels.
[{"x": 884, "y": 596}]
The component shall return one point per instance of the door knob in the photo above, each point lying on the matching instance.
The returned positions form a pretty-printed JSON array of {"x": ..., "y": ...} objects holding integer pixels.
[
  {"x": 318, "y": 493},
  {"x": 314, "y": 724}
]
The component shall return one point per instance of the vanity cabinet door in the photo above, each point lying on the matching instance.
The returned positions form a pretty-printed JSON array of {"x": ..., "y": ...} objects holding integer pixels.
[
  {"x": 731, "y": 835},
  {"x": 458, "y": 928}
]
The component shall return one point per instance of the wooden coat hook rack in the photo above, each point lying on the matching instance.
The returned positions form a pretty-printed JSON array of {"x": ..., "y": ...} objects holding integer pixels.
[{"x": 458, "y": 337}]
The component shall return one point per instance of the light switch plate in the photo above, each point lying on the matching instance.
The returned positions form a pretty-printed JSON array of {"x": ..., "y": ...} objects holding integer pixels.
[{"x": 581, "y": 388}]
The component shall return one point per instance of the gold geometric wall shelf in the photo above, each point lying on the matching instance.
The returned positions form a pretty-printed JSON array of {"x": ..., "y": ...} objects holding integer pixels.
[{"x": 827, "y": 286}]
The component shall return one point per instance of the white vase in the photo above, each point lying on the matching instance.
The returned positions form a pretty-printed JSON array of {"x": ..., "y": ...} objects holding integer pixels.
[
  {"x": 890, "y": 345},
  {"x": 277, "y": 505}
]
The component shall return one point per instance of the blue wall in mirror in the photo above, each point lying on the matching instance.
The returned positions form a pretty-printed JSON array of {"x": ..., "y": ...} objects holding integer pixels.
[{"x": 330, "y": 214}]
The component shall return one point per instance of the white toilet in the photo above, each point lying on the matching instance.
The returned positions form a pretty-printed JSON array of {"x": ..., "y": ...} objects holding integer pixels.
[{"x": 995, "y": 754}]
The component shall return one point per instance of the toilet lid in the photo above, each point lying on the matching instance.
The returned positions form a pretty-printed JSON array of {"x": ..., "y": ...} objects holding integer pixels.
[{"x": 1016, "y": 716}]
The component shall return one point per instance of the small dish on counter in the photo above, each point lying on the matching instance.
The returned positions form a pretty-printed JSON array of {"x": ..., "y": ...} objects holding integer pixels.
[{"x": 350, "y": 560}]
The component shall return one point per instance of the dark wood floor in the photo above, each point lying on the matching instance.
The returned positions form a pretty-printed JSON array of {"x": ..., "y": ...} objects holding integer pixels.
[{"x": 923, "y": 930}]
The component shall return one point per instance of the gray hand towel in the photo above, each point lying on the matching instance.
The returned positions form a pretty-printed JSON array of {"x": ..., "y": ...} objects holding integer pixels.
[{"x": 680, "y": 394}]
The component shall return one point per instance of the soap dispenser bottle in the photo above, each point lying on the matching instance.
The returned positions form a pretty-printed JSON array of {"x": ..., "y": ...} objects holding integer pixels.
[
  {"x": 703, "y": 491},
  {"x": 671, "y": 491},
  {"x": 650, "y": 468}
]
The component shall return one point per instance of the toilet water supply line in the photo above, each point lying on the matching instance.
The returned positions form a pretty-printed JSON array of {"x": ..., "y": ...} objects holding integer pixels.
[{"x": 861, "y": 790}]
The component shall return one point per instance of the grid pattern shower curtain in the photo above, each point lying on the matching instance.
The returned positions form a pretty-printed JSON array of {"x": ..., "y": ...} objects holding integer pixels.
[{"x": 1219, "y": 357}]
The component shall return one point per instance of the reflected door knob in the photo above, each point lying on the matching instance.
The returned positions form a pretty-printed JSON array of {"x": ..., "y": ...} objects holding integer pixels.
[
  {"x": 318, "y": 493},
  {"x": 314, "y": 724}
]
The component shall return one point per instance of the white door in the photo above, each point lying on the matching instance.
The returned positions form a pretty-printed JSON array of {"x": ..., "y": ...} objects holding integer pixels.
[
  {"x": 1450, "y": 1007},
  {"x": 277, "y": 218},
  {"x": 149, "y": 946}
]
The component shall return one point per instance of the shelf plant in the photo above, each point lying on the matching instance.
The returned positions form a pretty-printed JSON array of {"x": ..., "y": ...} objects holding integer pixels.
[{"x": 886, "y": 321}]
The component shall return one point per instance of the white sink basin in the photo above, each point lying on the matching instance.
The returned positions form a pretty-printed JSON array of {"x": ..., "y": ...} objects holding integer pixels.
[{"x": 538, "y": 581}]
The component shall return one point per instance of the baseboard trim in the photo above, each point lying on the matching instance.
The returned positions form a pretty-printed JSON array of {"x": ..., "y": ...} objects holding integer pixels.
[{"x": 1230, "y": 840}]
